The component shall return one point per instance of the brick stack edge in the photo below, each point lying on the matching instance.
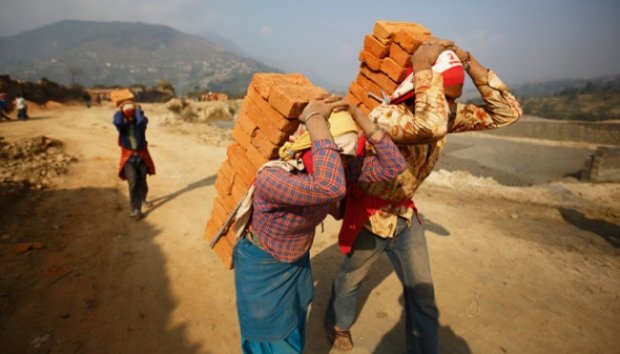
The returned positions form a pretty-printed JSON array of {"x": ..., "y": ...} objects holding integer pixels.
[
  {"x": 266, "y": 119},
  {"x": 384, "y": 60}
]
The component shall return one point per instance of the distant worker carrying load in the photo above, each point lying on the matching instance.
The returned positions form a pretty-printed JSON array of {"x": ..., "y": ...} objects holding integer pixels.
[{"x": 136, "y": 161}]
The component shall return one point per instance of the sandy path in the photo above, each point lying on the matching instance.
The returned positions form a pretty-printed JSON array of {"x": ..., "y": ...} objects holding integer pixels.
[{"x": 511, "y": 277}]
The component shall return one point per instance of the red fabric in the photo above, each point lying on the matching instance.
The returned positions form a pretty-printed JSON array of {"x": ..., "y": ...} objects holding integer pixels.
[
  {"x": 127, "y": 153},
  {"x": 306, "y": 157},
  {"x": 454, "y": 76},
  {"x": 359, "y": 208}
]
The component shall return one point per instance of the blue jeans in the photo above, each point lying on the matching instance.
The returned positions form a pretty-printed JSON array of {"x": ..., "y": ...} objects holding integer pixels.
[{"x": 408, "y": 254}]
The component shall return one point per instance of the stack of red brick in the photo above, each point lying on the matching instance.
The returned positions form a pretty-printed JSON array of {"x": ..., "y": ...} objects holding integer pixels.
[
  {"x": 384, "y": 60},
  {"x": 266, "y": 119}
]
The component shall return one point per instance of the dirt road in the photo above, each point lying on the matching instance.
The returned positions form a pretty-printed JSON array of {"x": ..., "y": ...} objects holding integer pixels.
[{"x": 513, "y": 273}]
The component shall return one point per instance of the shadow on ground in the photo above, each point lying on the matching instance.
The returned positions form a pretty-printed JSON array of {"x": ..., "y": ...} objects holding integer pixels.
[
  {"x": 608, "y": 231},
  {"x": 98, "y": 285},
  {"x": 158, "y": 202},
  {"x": 324, "y": 267}
]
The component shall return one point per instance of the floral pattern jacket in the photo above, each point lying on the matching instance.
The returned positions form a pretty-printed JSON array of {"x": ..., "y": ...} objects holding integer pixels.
[{"x": 420, "y": 134}]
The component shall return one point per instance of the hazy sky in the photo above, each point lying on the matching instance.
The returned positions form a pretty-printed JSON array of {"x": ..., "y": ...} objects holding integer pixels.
[{"x": 522, "y": 40}]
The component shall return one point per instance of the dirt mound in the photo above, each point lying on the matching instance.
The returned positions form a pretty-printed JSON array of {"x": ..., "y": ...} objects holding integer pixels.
[{"x": 32, "y": 162}]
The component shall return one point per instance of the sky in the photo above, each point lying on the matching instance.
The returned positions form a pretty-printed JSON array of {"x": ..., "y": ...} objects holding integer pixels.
[{"x": 522, "y": 40}]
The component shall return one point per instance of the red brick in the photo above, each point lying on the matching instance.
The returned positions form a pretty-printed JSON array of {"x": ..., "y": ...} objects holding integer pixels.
[
  {"x": 291, "y": 100},
  {"x": 274, "y": 135},
  {"x": 263, "y": 82},
  {"x": 241, "y": 137},
  {"x": 369, "y": 86},
  {"x": 218, "y": 212},
  {"x": 394, "y": 71},
  {"x": 351, "y": 99},
  {"x": 212, "y": 229},
  {"x": 384, "y": 82},
  {"x": 255, "y": 156},
  {"x": 375, "y": 47},
  {"x": 223, "y": 185},
  {"x": 247, "y": 124},
  {"x": 270, "y": 114},
  {"x": 244, "y": 182},
  {"x": 399, "y": 55},
  {"x": 410, "y": 41},
  {"x": 238, "y": 191},
  {"x": 226, "y": 170},
  {"x": 266, "y": 147},
  {"x": 387, "y": 29},
  {"x": 240, "y": 162},
  {"x": 361, "y": 94},
  {"x": 367, "y": 58}
]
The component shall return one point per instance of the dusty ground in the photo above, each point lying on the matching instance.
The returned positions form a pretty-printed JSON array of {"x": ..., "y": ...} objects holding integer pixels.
[{"x": 517, "y": 269}]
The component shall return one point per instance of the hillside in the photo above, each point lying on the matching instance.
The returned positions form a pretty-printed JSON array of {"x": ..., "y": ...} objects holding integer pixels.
[
  {"x": 576, "y": 99},
  {"x": 120, "y": 53}
]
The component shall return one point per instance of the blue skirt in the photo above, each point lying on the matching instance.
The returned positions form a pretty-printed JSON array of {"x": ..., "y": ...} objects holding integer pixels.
[{"x": 272, "y": 296}]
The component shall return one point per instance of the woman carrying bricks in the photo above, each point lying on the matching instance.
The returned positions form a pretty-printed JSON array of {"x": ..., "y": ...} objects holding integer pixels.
[{"x": 273, "y": 278}]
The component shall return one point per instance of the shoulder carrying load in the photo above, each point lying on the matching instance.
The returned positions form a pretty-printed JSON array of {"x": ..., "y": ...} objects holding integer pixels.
[
  {"x": 119, "y": 96},
  {"x": 266, "y": 120}
]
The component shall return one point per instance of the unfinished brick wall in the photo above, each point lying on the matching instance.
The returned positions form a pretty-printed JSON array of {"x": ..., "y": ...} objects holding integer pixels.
[
  {"x": 266, "y": 119},
  {"x": 384, "y": 59}
]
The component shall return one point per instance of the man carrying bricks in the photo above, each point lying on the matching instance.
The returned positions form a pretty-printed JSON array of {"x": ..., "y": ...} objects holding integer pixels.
[
  {"x": 273, "y": 278},
  {"x": 136, "y": 160},
  {"x": 418, "y": 121}
]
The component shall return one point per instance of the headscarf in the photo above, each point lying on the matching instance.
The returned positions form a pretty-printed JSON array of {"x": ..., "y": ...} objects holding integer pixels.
[
  {"x": 342, "y": 128},
  {"x": 447, "y": 64}
]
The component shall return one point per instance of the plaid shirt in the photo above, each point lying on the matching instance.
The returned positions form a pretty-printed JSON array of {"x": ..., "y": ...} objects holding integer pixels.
[{"x": 288, "y": 206}]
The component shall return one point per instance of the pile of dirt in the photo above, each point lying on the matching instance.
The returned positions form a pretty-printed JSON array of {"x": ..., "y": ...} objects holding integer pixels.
[{"x": 32, "y": 162}]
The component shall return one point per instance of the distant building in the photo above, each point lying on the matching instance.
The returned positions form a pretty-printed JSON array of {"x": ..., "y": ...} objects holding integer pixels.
[{"x": 214, "y": 96}]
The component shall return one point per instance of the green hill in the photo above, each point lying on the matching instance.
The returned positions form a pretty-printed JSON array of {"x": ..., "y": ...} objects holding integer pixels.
[{"x": 120, "y": 53}]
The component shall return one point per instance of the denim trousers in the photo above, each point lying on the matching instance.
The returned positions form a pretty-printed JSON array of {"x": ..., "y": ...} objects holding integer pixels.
[
  {"x": 408, "y": 253},
  {"x": 135, "y": 171}
]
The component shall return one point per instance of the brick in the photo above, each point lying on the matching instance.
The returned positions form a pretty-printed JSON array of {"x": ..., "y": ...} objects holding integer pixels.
[
  {"x": 370, "y": 60},
  {"x": 240, "y": 162},
  {"x": 241, "y": 137},
  {"x": 228, "y": 202},
  {"x": 351, "y": 99},
  {"x": 263, "y": 82},
  {"x": 399, "y": 55},
  {"x": 223, "y": 249},
  {"x": 382, "y": 80},
  {"x": 274, "y": 135},
  {"x": 375, "y": 47},
  {"x": 291, "y": 100},
  {"x": 361, "y": 94},
  {"x": 410, "y": 41},
  {"x": 223, "y": 185},
  {"x": 238, "y": 191},
  {"x": 369, "y": 85},
  {"x": 394, "y": 71},
  {"x": 226, "y": 170},
  {"x": 255, "y": 156},
  {"x": 219, "y": 212},
  {"x": 266, "y": 147},
  {"x": 212, "y": 229},
  {"x": 246, "y": 123},
  {"x": 387, "y": 29},
  {"x": 244, "y": 182},
  {"x": 270, "y": 114}
]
